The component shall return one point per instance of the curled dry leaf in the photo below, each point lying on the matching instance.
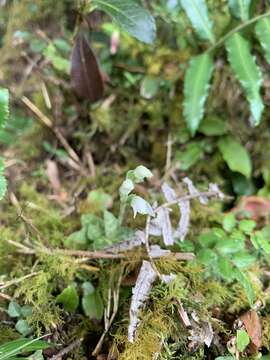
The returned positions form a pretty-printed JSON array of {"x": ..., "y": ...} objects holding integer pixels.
[
  {"x": 140, "y": 294},
  {"x": 252, "y": 324},
  {"x": 183, "y": 225},
  {"x": 161, "y": 225},
  {"x": 168, "y": 192},
  {"x": 86, "y": 77},
  {"x": 193, "y": 191}
]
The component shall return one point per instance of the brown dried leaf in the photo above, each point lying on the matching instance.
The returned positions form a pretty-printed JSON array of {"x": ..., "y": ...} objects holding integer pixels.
[
  {"x": 86, "y": 77},
  {"x": 252, "y": 324}
]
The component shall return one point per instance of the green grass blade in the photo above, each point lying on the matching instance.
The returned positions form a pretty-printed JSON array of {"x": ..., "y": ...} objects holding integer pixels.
[
  {"x": 15, "y": 347},
  {"x": 197, "y": 13},
  {"x": 4, "y": 109},
  {"x": 262, "y": 30},
  {"x": 247, "y": 72},
  {"x": 196, "y": 87},
  {"x": 240, "y": 9}
]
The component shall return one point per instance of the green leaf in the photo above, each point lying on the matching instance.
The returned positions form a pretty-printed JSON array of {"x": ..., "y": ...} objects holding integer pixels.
[
  {"x": 196, "y": 85},
  {"x": 235, "y": 155},
  {"x": 240, "y": 9},
  {"x": 262, "y": 30},
  {"x": 26, "y": 310},
  {"x": 92, "y": 302},
  {"x": 225, "y": 268},
  {"x": 229, "y": 246},
  {"x": 4, "y": 107},
  {"x": 23, "y": 327},
  {"x": 139, "y": 205},
  {"x": 77, "y": 240},
  {"x": 197, "y": 13},
  {"x": 14, "y": 309},
  {"x": 98, "y": 200},
  {"x": 206, "y": 256},
  {"x": 149, "y": 87},
  {"x": 68, "y": 298},
  {"x": 242, "y": 340},
  {"x": 213, "y": 126},
  {"x": 247, "y": 226},
  {"x": 247, "y": 72},
  {"x": 225, "y": 358},
  {"x": 243, "y": 260},
  {"x": 229, "y": 222},
  {"x": 111, "y": 225},
  {"x": 131, "y": 16}
]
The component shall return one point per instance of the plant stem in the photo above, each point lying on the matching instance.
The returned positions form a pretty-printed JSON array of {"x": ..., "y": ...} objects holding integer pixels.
[{"x": 236, "y": 29}]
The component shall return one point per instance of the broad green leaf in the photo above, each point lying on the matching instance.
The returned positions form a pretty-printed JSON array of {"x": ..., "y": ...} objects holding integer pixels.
[
  {"x": 68, "y": 298},
  {"x": 77, "y": 240},
  {"x": 229, "y": 222},
  {"x": 235, "y": 155},
  {"x": 213, "y": 126},
  {"x": 4, "y": 107},
  {"x": 26, "y": 310},
  {"x": 131, "y": 16},
  {"x": 206, "y": 256},
  {"x": 111, "y": 225},
  {"x": 196, "y": 87},
  {"x": 247, "y": 72},
  {"x": 225, "y": 268},
  {"x": 92, "y": 302},
  {"x": 243, "y": 260},
  {"x": 14, "y": 309},
  {"x": 225, "y": 358},
  {"x": 229, "y": 246},
  {"x": 98, "y": 201},
  {"x": 262, "y": 30},
  {"x": 240, "y": 9},
  {"x": 242, "y": 340},
  {"x": 197, "y": 13},
  {"x": 247, "y": 226},
  {"x": 139, "y": 205}
]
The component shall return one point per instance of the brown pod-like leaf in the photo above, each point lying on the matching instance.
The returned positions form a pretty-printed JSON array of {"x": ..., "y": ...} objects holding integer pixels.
[{"x": 86, "y": 78}]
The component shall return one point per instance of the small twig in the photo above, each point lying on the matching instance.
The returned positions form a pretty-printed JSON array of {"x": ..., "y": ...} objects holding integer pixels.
[
  {"x": 67, "y": 349},
  {"x": 87, "y": 255},
  {"x": 47, "y": 122},
  {"x": 109, "y": 321},
  {"x": 18, "y": 280},
  {"x": 207, "y": 194}
]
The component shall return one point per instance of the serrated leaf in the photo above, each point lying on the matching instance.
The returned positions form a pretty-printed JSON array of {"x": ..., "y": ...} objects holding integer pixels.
[
  {"x": 196, "y": 87},
  {"x": 240, "y": 9},
  {"x": 235, "y": 155},
  {"x": 197, "y": 13},
  {"x": 262, "y": 30},
  {"x": 131, "y": 16},
  {"x": 4, "y": 107},
  {"x": 247, "y": 72}
]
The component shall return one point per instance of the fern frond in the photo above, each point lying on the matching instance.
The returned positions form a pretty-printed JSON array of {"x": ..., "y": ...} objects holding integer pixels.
[
  {"x": 196, "y": 87},
  {"x": 240, "y": 9},
  {"x": 262, "y": 30},
  {"x": 247, "y": 72},
  {"x": 197, "y": 13}
]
